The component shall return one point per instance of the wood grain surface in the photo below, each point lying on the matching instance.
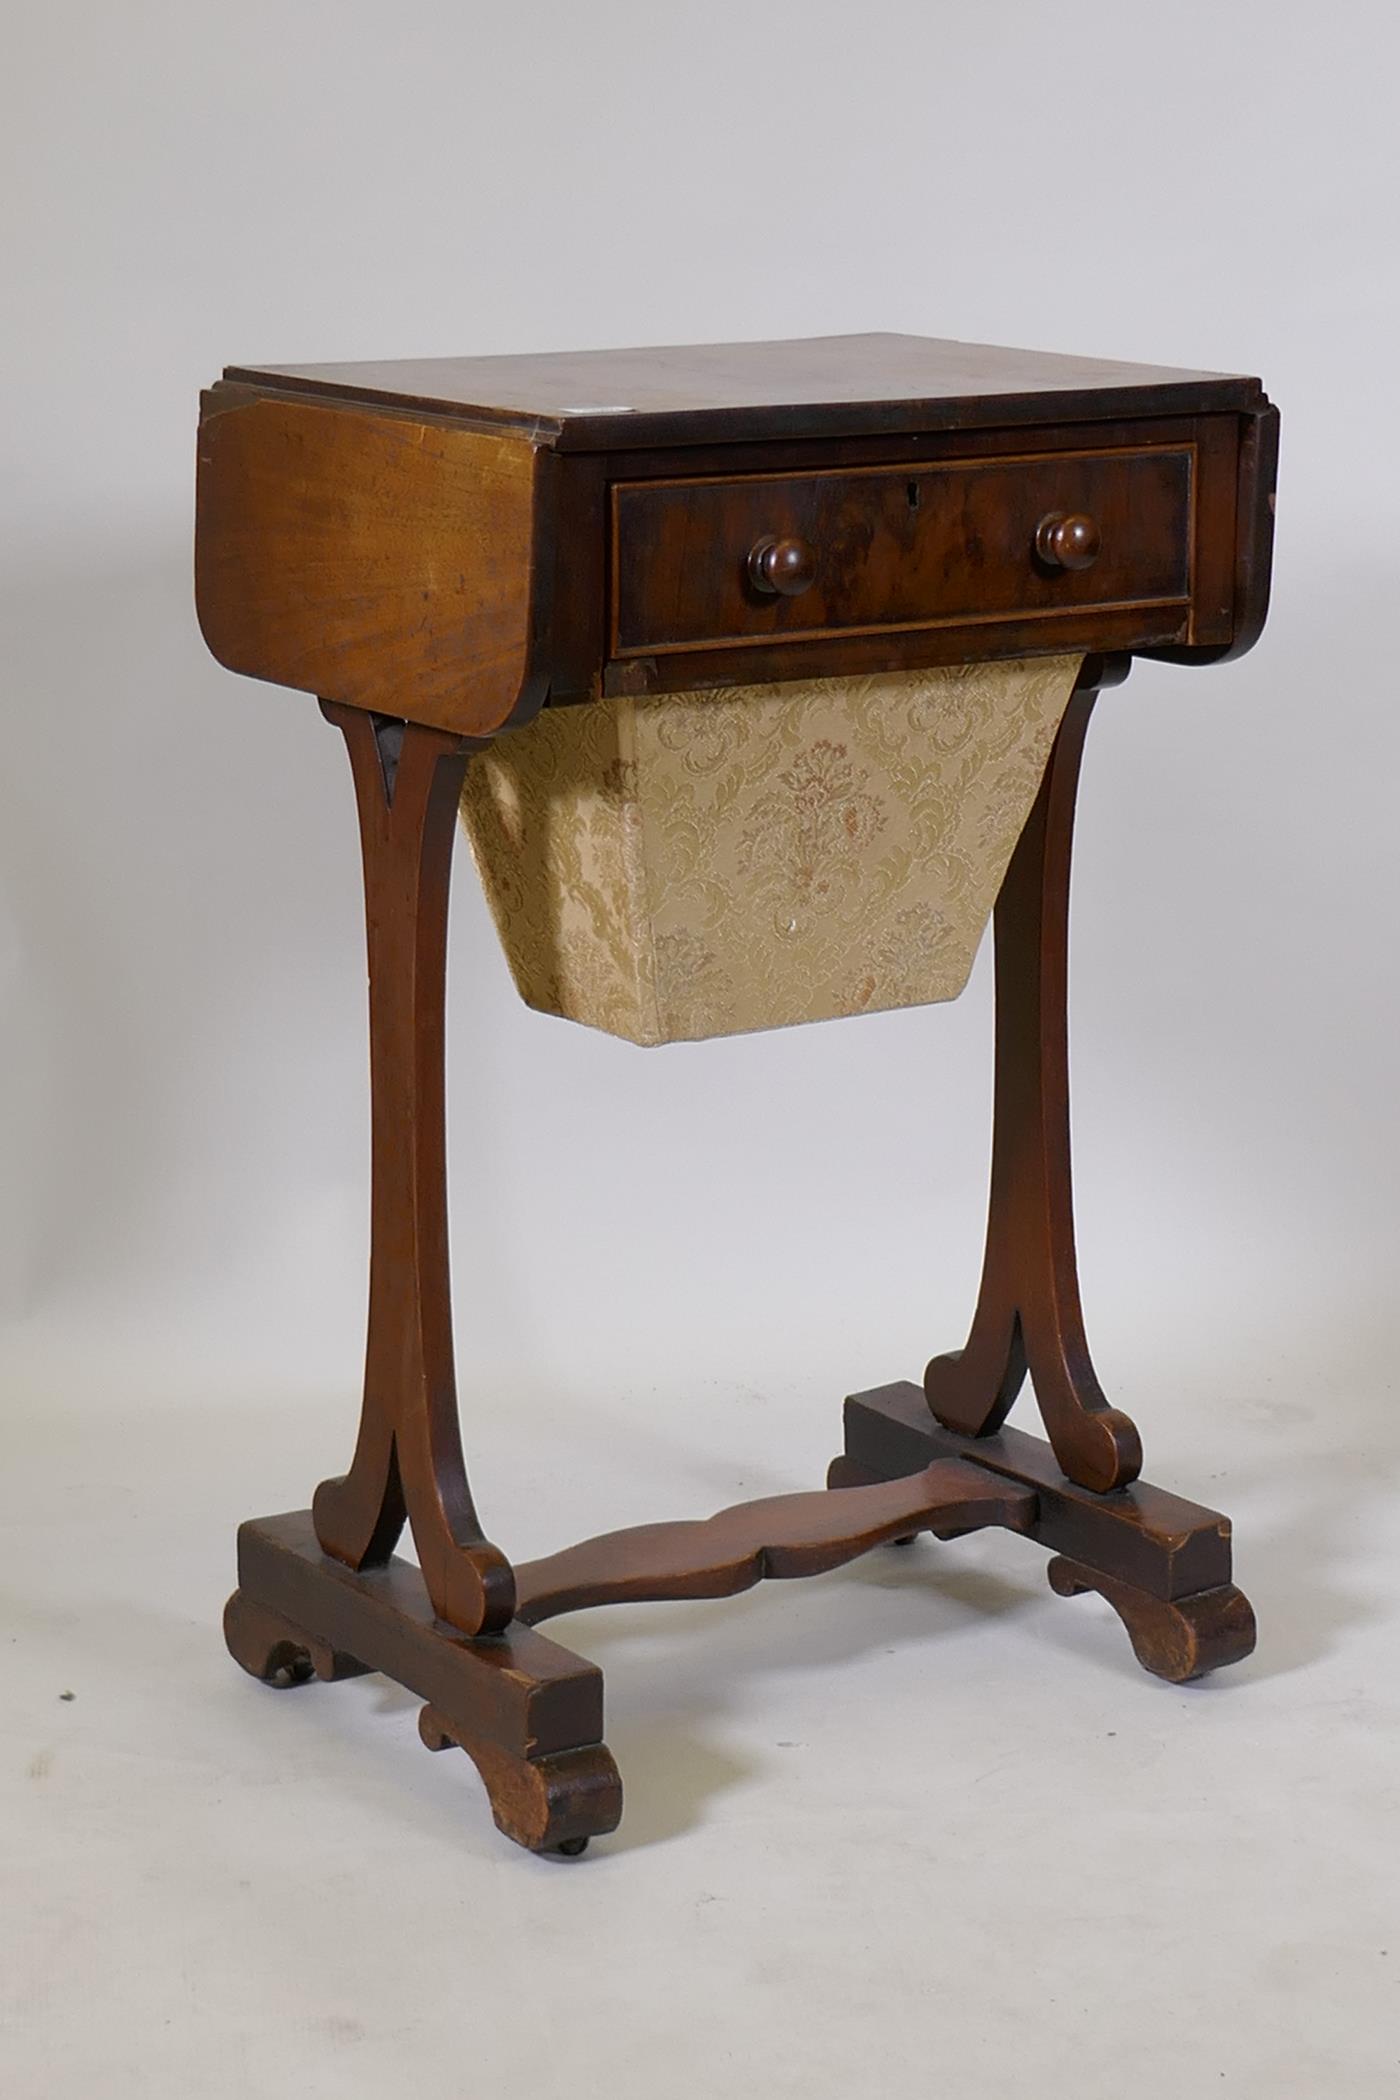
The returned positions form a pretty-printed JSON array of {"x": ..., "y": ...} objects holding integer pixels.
[
  {"x": 382, "y": 561},
  {"x": 825, "y": 386},
  {"x": 779, "y": 1537}
]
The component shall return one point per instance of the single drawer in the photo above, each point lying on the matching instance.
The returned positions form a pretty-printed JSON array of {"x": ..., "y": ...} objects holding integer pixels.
[{"x": 708, "y": 563}]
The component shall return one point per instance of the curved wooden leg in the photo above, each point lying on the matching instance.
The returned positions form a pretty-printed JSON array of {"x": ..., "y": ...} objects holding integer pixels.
[
  {"x": 1177, "y": 1640},
  {"x": 554, "y": 1803},
  {"x": 1028, "y": 1314},
  {"x": 270, "y": 1648},
  {"x": 408, "y": 1461}
]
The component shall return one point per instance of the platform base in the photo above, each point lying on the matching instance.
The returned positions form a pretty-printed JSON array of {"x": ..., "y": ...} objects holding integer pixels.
[{"x": 529, "y": 1714}]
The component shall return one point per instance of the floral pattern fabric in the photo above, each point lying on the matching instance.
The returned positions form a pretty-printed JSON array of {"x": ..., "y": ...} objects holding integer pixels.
[{"x": 699, "y": 864}]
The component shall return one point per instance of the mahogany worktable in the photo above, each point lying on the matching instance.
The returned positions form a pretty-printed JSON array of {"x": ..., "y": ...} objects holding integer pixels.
[{"x": 436, "y": 550}]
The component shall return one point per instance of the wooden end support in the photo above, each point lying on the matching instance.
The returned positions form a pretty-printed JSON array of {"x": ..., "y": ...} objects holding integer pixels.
[
  {"x": 527, "y": 1712},
  {"x": 1164, "y": 1564}
]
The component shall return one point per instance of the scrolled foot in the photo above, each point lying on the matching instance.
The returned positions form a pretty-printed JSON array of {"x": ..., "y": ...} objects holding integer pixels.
[
  {"x": 1100, "y": 1450},
  {"x": 967, "y": 1388},
  {"x": 471, "y": 1582},
  {"x": 1176, "y": 1640},
  {"x": 271, "y": 1649},
  {"x": 554, "y": 1803},
  {"x": 970, "y": 1391}
]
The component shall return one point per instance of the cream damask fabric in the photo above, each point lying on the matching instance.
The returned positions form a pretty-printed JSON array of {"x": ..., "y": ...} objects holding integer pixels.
[{"x": 705, "y": 863}]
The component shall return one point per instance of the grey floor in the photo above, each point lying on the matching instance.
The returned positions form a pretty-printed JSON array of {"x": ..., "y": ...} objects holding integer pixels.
[{"x": 918, "y": 1825}]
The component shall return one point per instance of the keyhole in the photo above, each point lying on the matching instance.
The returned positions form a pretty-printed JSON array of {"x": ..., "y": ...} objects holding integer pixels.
[{"x": 912, "y": 492}]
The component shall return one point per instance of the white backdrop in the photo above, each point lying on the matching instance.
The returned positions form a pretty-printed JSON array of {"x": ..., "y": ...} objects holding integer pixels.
[{"x": 671, "y": 1264}]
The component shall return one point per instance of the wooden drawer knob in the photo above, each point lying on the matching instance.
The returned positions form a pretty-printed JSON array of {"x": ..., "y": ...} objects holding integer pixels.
[
  {"x": 1065, "y": 540},
  {"x": 787, "y": 566}
]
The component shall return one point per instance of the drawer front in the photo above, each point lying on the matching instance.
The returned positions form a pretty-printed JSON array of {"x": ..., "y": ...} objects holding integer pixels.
[{"x": 710, "y": 563}]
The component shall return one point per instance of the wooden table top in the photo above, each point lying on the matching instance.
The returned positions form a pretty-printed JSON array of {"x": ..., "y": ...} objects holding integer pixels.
[{"x": 821, "y": 386}]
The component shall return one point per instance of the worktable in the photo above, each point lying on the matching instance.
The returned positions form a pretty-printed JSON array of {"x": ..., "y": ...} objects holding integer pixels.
[{"x": 758, "y": 672}]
